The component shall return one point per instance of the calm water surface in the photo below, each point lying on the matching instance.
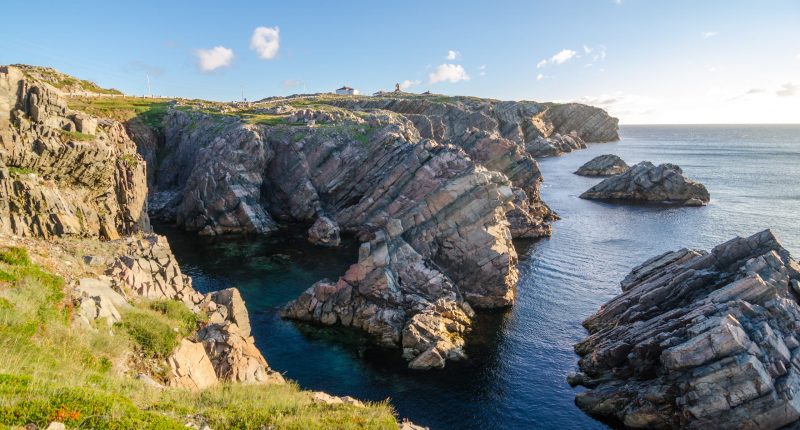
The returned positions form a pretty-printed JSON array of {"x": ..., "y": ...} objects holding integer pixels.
[{"x": 519, "y": 358}]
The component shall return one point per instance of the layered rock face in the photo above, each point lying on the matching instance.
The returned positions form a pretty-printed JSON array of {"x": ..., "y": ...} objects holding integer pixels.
[
  {"x": 645, "y": 182},
  {"x": 63, "y": 172},
  {"x": 541, "y": 129},
  {"x": 699, "y": 340},
  {"x": 603, "y": 165},
  {"x": 435, "y": 236}
]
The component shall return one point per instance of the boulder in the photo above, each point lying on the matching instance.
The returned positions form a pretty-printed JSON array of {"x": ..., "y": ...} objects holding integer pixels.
[
  {"x": 603, "y": 165},
  {"x": 645, "y": 182},
  {"x": 98, "y": 301},
  {"x": 228, "y": 342},
  {"x": 698, "y": 340},
  {"x": 324, "y": 232},
  {"x": 191, "y": 367}
]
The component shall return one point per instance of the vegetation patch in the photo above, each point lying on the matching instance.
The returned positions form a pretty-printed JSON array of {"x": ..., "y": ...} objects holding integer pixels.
[
  {"x": 19, "y": 171},
  {"x": 150, "y": 111},
  {"x": 77, "y": 136},
  {"x": 151, "y": 332},
  {"x": 51, "y": 371}
]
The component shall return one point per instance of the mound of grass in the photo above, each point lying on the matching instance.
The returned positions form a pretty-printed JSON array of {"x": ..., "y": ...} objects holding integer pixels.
[
  {"x": 151, "y": 332},
  {"x": 176, "y": 311}
]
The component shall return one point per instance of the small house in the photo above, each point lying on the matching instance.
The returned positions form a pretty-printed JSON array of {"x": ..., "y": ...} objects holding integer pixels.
[{"x": 346, "y": 91}]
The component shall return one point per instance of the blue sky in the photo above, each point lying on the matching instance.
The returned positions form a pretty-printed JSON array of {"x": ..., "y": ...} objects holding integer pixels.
[{"x": 644, "y": 61}]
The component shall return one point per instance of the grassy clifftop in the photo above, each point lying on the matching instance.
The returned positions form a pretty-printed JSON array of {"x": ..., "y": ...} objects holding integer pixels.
[{"x": 52, "y": 371}]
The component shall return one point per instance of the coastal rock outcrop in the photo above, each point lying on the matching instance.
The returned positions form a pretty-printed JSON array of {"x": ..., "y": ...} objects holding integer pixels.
[
  {"x": 645, "y": 182},
  {"x": 603, "y": 165},
  {"x": 699, "y": 340},
  {"x": 62, "y": 172},
  {"x": 432, "y": 220}
]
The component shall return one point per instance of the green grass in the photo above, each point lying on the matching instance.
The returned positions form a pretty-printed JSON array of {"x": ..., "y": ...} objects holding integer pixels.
[
  {"x": 62, "y": 81},
  {"x": 17, "y": 171},
  {"x": 176, "y": 311},
  {"x": 129, "y": 160},
  {"x": 77, "y": 136},
  {"x": 150, "y": 111},
  {"x": 51, "y": 370},
  {"x": 152, "y": 334}
]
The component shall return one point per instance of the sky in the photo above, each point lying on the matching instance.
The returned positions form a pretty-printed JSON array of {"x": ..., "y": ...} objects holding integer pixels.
[{"x": 645, "y": 61}]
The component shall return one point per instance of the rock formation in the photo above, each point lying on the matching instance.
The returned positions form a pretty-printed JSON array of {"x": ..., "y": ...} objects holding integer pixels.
[
  {"x": 603, "y": 165},
  {"x": 645, "y": 182},
  {"x": 63, "y": 173},
  {"x": 699, "y": 340},
  {"x": 432, "y": 221},
  {"x": 434, "y": 190}
]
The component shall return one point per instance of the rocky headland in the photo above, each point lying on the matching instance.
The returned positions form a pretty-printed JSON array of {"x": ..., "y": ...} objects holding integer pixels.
[
  {"x": 698, "y": 340},
  {"x": 603, "y": 165},
  {"x": 648, "y": 183},
  {"x": 79, "y": 259},
  {"x": 435, "y": 188}
]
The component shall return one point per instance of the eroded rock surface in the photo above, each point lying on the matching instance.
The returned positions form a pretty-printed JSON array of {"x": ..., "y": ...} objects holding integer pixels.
[
  {"x": 62, "y": 172},
  {"x": 645, "y": 182},
  {"x": 699, "y": 340},
  {"x": 603, "y": 165}
]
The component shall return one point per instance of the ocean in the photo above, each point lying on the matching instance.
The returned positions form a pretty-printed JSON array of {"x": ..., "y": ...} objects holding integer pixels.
[{"x": 519, "y": 358}]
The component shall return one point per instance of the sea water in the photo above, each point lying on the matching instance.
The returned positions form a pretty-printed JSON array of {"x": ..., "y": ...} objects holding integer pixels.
[{"x": 519, "y": 357}]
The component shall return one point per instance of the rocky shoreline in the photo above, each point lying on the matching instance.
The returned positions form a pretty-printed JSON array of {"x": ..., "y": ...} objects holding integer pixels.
[
  {"x": 435, "y": 207},
  {"x": 698, "y": 340}
]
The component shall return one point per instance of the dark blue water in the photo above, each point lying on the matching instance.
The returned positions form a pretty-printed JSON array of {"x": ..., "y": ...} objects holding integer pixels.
[{"x": 520, "y": 357}]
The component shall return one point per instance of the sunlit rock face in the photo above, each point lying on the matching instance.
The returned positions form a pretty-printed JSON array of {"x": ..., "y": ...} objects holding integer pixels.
[{"x": 698, "y": 340}]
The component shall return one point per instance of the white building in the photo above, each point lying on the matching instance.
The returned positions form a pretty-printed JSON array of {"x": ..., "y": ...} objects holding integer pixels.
[{"x": 347, "y": 91}]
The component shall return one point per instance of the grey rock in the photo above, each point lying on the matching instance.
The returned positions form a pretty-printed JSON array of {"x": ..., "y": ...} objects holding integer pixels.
[
  {"x": 603, "y": 165},
  {"x": 645, "y": 182},
  {"x": 698, "y": 340},
  {"x": 324, "y": 232}
]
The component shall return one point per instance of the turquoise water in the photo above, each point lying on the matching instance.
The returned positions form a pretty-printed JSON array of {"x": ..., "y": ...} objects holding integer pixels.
[{"x": 519, "y": 358}]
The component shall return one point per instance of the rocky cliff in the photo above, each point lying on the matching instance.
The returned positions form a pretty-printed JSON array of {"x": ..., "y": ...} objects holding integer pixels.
[
  {"x": 434, "y": 190},
  {"x": 699, "y": 340},
  {"x": 66, "y": 174},
  {"x": 63, "y": 172}
]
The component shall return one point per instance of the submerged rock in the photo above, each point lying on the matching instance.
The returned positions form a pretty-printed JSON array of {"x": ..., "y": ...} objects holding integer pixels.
[
  {"x": 603, "y": 165},
  {"x": 699, "y": 340},
  {"x": 645, "y": 182},
  {"x": 324, "y": 232}
]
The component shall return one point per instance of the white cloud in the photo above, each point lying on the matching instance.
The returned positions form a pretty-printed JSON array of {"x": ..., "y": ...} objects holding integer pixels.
[
  {"x": 293, "y": 83},
  {"x": 448, "y": 73},
  {"x": 587, "y": 49},
  {"x": 788, "y": 89},
  {"x": 482, "y": 70},
  {"x": 266, "y": 41},
  {"x": 797, "y": 56},
  {"x": 539, "y": 77},
  {"x": 409, "y": 83},
  {"x": 600, "y": 55},
  {"x": 213, "y": 58},
  {"x": 621, "y": 104},
  {"x": 618, "y": 2},
  {"x": 559, "y": 58},
  {"x": 708, "y": 34},
  {"x": 453, "y": 55}
]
